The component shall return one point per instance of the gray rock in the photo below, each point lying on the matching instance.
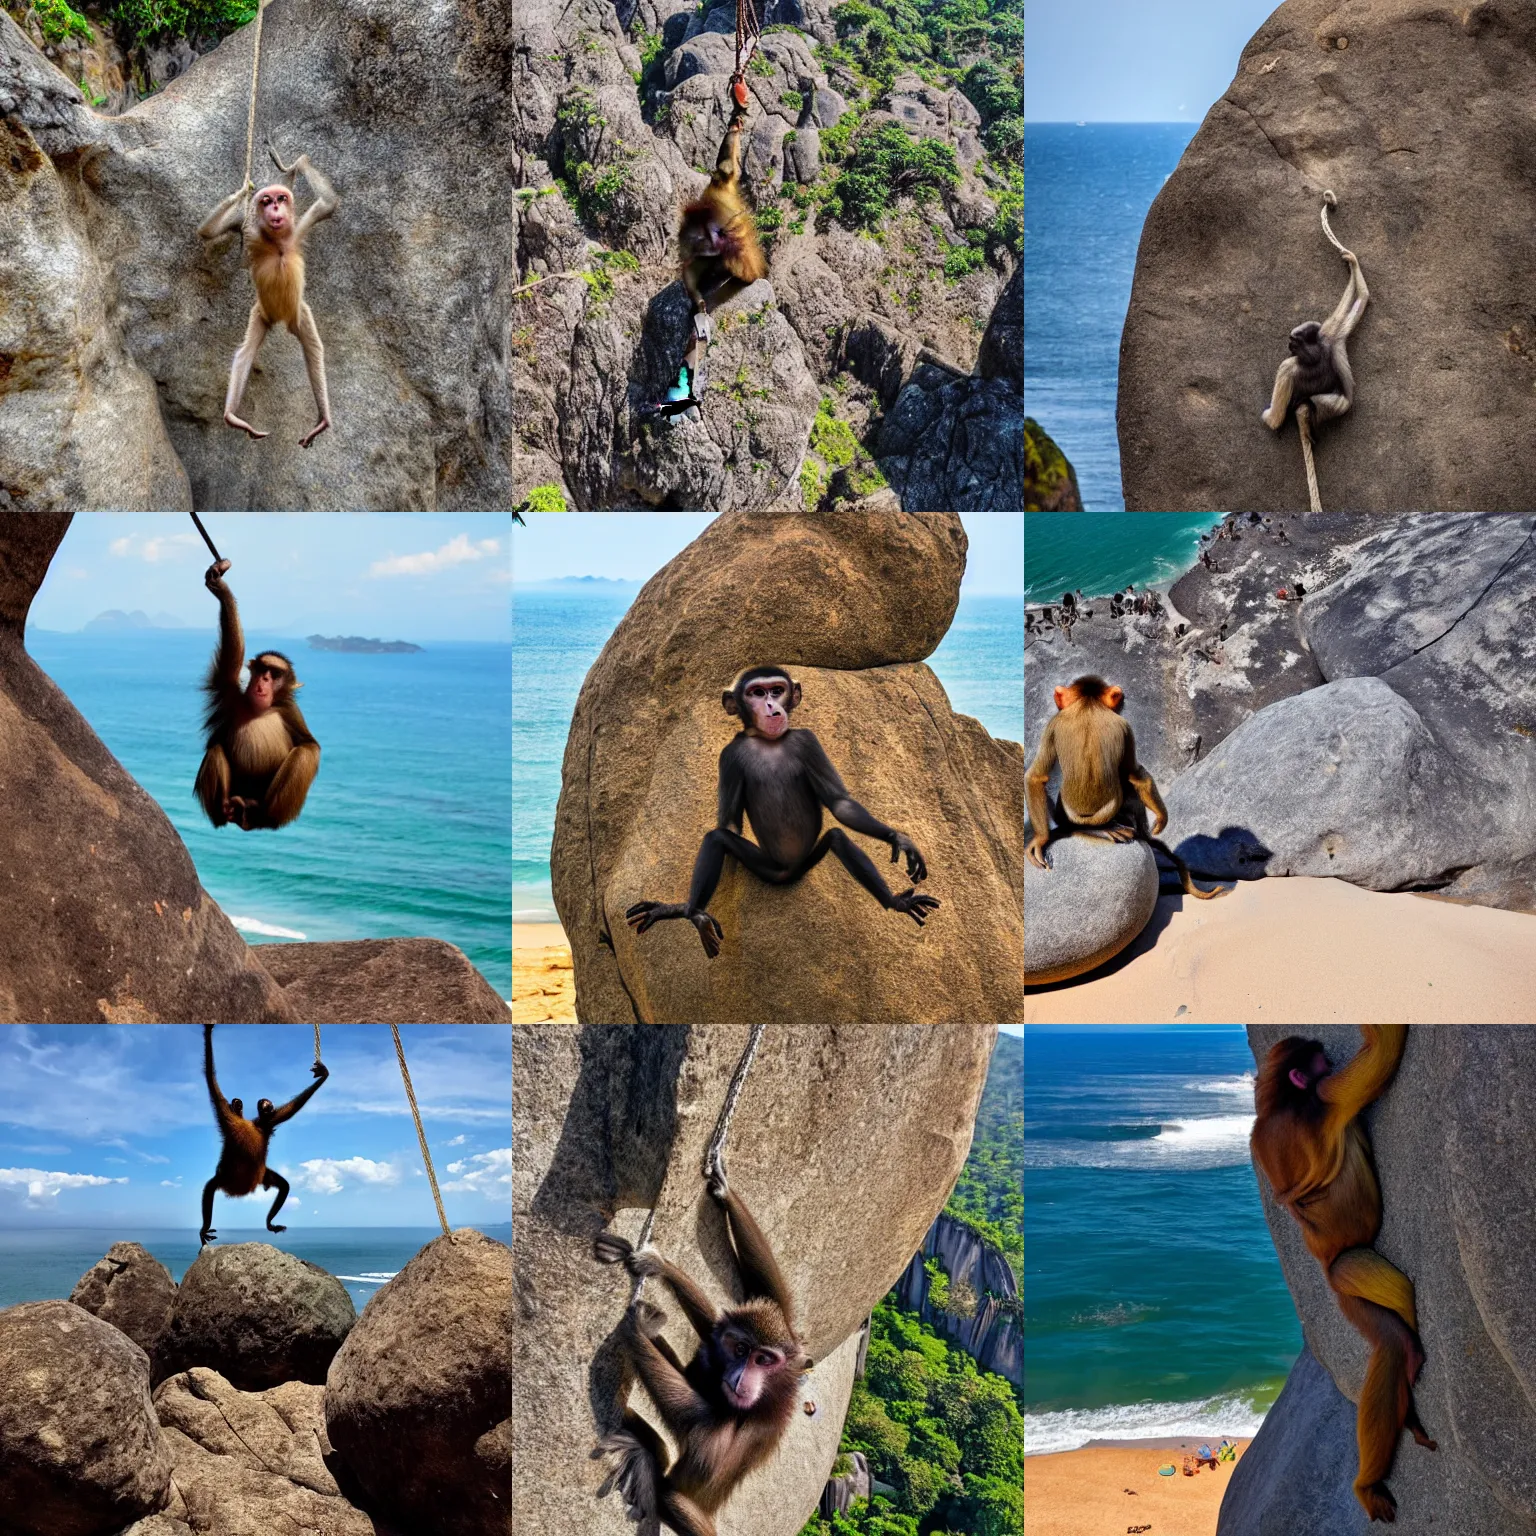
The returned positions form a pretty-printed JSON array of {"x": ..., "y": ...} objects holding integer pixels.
[
  {"x": 80, "y": 1449},
  {"x": 877, "y": 353},
  {"x": 1092, "y": 902},
  {"x": 955, "y": 443},
  {"x": 802, "y": 155},
  {"x": 383, "y": 981},
  {"x": 827, "y": 106},
  {"x": 131, "y": 1289},
  {"x": 1002, "y": 344},
  {"x": 838, "y": 1496}
]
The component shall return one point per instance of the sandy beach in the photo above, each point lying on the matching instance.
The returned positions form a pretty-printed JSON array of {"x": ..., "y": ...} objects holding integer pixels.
[
  {"x": 1107, "y": 1488},
  {"x": 543, "y": 983},
  {"x": 1310, "y": 951}
]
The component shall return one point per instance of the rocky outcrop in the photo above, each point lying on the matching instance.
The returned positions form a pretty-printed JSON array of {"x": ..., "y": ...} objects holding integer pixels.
[
  {"x": 80, "y": 1448},
  {"x": 838, "y": 1496},
  {"x": 1368, "y": 100},
  {"x": 993, "y": 1335},
  {"x": 258, "y": 1316},
  {"x": 609, "y": 1122},
  {"x": 1050, "y": 482},
  {"x": 382, "y": 981},
  {"x": 131, "y": 1289},
  {"x": 1454, "y": 1143},
  {"x": 418, "y": 1401},
  {"x": 122, "y": 325},
  {"x": 1093, "y": 901},
  {"x": 849, "y": 603}
]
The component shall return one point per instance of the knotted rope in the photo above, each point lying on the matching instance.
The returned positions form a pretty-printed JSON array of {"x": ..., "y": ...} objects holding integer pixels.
[
  {"x": 250, "y": 111},
  {"x": 421, "y": 1135}
]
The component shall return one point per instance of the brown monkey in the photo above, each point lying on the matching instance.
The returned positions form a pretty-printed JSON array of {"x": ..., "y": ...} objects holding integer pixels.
[
  {"x": 1309, "y": 1143},
  {"x": 243, "y": 1158},
  {"x": 261, "y": 758},
  {"x": 1103, "y": 787},
  {"x": 728, "y": 1408},
  {"x": 720, "y": 250},
  {"x": 274, "y": 251}
]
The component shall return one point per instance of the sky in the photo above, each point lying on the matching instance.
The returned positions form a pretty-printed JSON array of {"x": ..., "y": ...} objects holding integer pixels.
[
  {"x": 111, "y": 1125},
  {"x": 416, "y": 576},
  {"x": 1132, "y": 61},
  {"x": 633, "y": 546}
]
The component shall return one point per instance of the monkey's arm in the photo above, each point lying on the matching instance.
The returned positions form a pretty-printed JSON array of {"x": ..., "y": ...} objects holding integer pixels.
[
  {"x": 224, "y": 674},
  {"x": 1351, "y": 1088},
  {"x": 732, "y": 791},
  {"x": 222, "y": 1112},
  {"x": 1280, "y": 397},
  {"x": 212, "y": 787},
  {"x": 293, "y": 1106},
  {"x": 833, "y": 793},
  {"x": 681, "y": 1408},
  {"x": 1347, "y": 313},
  {"x": 326, "y": 201},
  {"x": 728, "y": 161},
  {"x": 1035, "y": 782},
  {"x": 1142, "y": 782},
  {"x": 646, "y": 1263},
  {"x": 230, "y": 214},
  {"x": 754, "y": 1258},
  {"x": 284, "y": 798}
]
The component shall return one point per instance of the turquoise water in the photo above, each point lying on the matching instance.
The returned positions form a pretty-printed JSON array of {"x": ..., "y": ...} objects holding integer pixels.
[
  {"x": 44, "y": 1263},
  {"x": 407, "y": 830},
  {"x": 1104, "y": 552},
  {"x": 558, "y": 635},
  {"x": 1153, "y": 1300}
]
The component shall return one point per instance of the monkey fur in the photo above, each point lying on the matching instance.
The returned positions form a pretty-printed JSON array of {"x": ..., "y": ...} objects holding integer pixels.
[
  {"x": 1103, "y": 787},
  {"x": 720, "y": 250},
  {"x": 1308, "y": 1142}
]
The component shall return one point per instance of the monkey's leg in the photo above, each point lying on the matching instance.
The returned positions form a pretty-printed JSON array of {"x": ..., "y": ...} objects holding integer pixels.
[
  {"x": 314, "y": 360},
  {"x": 1386, "y": 1401},
  {"x": 638, "y": 1473},
  {"x": 208, "y": 1234},
  {"x": 212, "y": 787},
  {"x": 862, "y": 868},
  {"x": 240, "y": 371},
  {"x": 683, "y": 1515},
  {"x": 1364, "y": 1273},
  {"x": 280, "y": 1184},
  {"x": 1326, "y": 407},
  {"x": 1280, "y": 399}
]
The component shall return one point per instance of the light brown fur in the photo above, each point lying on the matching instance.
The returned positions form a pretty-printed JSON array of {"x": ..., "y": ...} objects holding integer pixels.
[{"x": 720, "y": 249}]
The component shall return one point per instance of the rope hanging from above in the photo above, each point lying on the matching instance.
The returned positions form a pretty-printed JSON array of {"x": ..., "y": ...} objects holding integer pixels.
[
  {"x": 421, "y": 1135},
  {"x": 250, "y": 111},
  {"x": 748, "y": 30},
  {"x": 317, "y": 1042}
]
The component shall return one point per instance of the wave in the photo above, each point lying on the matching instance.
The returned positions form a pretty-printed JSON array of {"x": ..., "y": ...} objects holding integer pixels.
[
  {"x": 1235, "y": 1085},
  {"x": 267, "y": 930},
  {"x": 1072, "y": 1428},
  {"x": 378, "y": 1277},
  {"x": 1208, "y": 1141}
]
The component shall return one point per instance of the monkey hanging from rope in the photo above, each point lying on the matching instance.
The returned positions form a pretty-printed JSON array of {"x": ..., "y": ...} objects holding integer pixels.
[{"x": 1316, "y": 379}]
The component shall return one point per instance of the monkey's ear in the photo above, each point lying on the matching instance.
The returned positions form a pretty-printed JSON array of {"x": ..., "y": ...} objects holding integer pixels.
[
  {"x": 728, "y": 702},
  {"x": 794, "y": 696},
  {"x": 1114, "y": 696},
  {"x": 1298, "y": 1079},
  {"x": 1063, "y": 697}
]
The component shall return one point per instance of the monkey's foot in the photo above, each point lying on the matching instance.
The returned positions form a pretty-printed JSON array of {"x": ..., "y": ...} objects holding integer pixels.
[
  {"x": 646, "y": 914},
  {"x": 231, "y": 420},
  {"x": 206, "y": 1236},
  {"x": 710, "y": 932},
  {"x": 916, "y": 907},
  {"x": 323, "y": 425},
  {"x": 271, "y": 1228}
]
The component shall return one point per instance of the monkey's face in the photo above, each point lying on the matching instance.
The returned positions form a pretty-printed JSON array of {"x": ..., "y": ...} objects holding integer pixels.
[
  {"x": 1306, "y": 342},
  {"x": 701, "y": 235},
  {"x": 745, "y": 1367},
  {"x": 768, "y": 701},
  {"x": 274, "y": 206},
  {"x": 267, "y": 676}
]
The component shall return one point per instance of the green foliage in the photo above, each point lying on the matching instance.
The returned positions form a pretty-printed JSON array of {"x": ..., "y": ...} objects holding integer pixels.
[
  {"x": 831, "y": 438},
  {"x": 792, "y": 99},
  {"x": 836, "y": 140},
  {"x": 993, "y": 90},
  {"x": 59, "y": 20},
  {"x": 760, "y": 65},
  {"x": 543, "y": 498},
  {"x": 1004, "y": 138},
  {"x": 598, "y": 275},
  {"x": 885, "y": 165},
  {"x": 144, "y": 21},
  {"x": 813, "y": 484},
  {"x": 651, "y": 48},
  {"x": 960, "y": 259},
  {"x": 989, "y": 1194},
  {"x": 1008, "y": 227}
]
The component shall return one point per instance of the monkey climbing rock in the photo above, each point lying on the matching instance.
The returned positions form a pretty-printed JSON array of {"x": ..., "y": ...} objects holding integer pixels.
[{"x": 718, "y": 237}]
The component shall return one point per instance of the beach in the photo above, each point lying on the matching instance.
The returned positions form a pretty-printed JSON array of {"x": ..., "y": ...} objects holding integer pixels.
[
  {"x": 1113, "y": 1486},
  {"x": 1301, "y": 950},
  {"x": 543, "y": 981}
]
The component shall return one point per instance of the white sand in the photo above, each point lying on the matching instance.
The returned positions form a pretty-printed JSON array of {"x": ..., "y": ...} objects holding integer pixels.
[
  {"x": 1310, "y": 951},
  {"x": 538, "y": 935}
]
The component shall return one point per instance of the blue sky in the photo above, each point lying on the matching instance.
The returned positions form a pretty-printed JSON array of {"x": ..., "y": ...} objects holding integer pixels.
[
  {"x": 1132, "y": 61},
  {"x": 633, "y": 546},
  {"x": 415, "y": 576},
  {"x": 110, "y": 1125}
]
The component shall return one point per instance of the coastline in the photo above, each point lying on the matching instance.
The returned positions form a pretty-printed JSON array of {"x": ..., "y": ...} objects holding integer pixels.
[{"x": 543, "y": 978}]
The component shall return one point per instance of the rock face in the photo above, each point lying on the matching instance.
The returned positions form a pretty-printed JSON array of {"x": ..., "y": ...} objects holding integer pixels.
[
  {"x": 1093, "y": 901},
  {"x": 848, "y": 603},
  {"x": 418, "y": 1401},
  {"x": 131, "y": 1289},
  {"x": 258, "y": 1316},
  {"x": 838, "y": 1496},
  {"x": 383, "y": 981},
  {"x": 992, "y": 1338},
  {"x": 609, "y": 1121},
  {"x": 1050, "y": 482},
  {"x": 80, "y": 1449},
  {"x": 1454, "y": 1144},
  {"x": 1368, "y": 101},
  {"x": 127, "y": 325}
]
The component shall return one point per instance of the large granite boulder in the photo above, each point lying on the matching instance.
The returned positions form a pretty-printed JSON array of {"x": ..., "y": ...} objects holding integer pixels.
[
  {"x": 611, "y": 1122},
  {"x": 1454, "y": 1146},
  {"x": 419, "y": 1400},
  {"x": 848, "y": 603},
  {"x": 1413, "y": 114},
  {"x": 131, "y": 1289},
  {"x": 1093, "y": 901},
  {"x": 382, "y": 981},
  {"x": 257, "y": 1316},
  {"x": 80, "y": 1448}
]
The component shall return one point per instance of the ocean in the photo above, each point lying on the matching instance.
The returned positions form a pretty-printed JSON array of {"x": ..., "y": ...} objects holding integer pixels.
[
  {"x": 1153, "y": 1299},
  {"x": 1087, "y": 191},
  {"x": 558, "y": 635},
  {"x": 1103, "y": 552},
  {"x": 44, "y": 1263},
  {"x": 407, "y": 829}
]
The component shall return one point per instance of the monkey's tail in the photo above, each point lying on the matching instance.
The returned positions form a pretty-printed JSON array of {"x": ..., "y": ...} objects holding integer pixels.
[
  {"x": 637, "y": 1478},
  {"x": 1186, "y": 879},
  {"x": 1304, "y": 426}
]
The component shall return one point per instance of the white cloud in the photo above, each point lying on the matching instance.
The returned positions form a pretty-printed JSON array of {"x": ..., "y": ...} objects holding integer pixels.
[
  {"x": 324, "y": 1175},
  {"x": 156, "y": 550},
  {"x": 458, "y": 1141},
  {"x": 486, "y": 1173},
  {"x": 43, "y": 1188},
  {"x": 171, "y": 1183},
  {"x": 456, "y": 551}
]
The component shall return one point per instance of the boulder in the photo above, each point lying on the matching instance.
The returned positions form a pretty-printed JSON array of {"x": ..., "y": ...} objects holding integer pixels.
[
  {"x": 131, "y": 1289},
  {"x": 257, "y": 1316},
  {"x": 847, "y": 602},
  {"x": 1002, "y": 357},
  {"x": 1093, "y": 901},
  {"x": 841, "y": 1490},
  {"x": 80, "y": 1449},
  {"x": 1050, "y": 482},
  {"x": 611, "y": 1122},
  {"x": 1371, "y": 101},
  {"x": 418, "y": 1401},
  {"x": 382, "y": 981}
]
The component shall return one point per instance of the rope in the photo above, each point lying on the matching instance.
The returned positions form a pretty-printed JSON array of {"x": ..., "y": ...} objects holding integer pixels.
[
  {"x": 317, "y": 1042},
  {"x": 747, "y": 31},
  {"x": 250, "y": 111},
  {"x": 421, "y": 1135},
  {"x": 1330, "y": 201},
  {"x": 1304, "y": 426}
]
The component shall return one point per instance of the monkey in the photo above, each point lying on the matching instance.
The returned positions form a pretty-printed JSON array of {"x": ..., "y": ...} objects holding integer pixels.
[
  {"x": 261, "y": 758},
  {"x": 782, "y": 778},
  {"x": 1308, "y": 1142},
  {"x": 1316, "y": 379},
  {"x": 1105, "y": 792},
  {"x": 517, "y": 517},
  {"x": 729, "y": 1407},
  {"x": 243, "y": 1155},
  {"x": 720, "y": 250},
  {"x": 273, "y": 241}
]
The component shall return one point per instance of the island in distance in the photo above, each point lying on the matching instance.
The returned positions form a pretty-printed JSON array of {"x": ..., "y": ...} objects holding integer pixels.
[{"x": 357, "y": 643}]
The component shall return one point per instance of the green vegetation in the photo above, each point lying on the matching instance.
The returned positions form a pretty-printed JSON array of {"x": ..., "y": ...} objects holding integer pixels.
[
  {"x": 885, "y": 165},
  {"x": 970, "y": 257},
  {"x": 989, "y": 1195},
  {"x": 543, "y": 498},
  {"x": 143, "y": 21},
  {"x": 599, "y": 273},
  {"x": 832, "y": 439},
  {"x": 882, "y": 38},
  {"x": 792, "y": 99},
  {"x": 59, "y": 20}
]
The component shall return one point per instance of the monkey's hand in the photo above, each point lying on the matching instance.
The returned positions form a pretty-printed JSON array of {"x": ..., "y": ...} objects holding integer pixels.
[
  {"x": 916, "y": 907},
  {"x": 610, "y": 1248},
  {"x": 917, "y": 871},
  {"x": 647, "y": 1318},
  {"x": 212, "y": 577},
  {"x": 231, "y": 420},
  {"x": 1159, "y": 821},
  {"x": 710, "y": 932},
  {"x": 717, "y": 1185},
  {"x": 320, "y": 1070},
  {"x": 207, "y": 1235},
  {"x": 1036, "y": 852}
]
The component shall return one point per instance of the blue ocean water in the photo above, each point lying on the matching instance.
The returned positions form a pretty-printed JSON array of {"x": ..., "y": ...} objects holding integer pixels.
[
  {"x": 558, "y": 635},
  {"x": 1087, "y": 191},
  {"x": 1153, "y": 1300},
  {"x": 407, "y": 830},
  {"x": 44, "y": 1263},
  {"x": 1104, "y": 552}
]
